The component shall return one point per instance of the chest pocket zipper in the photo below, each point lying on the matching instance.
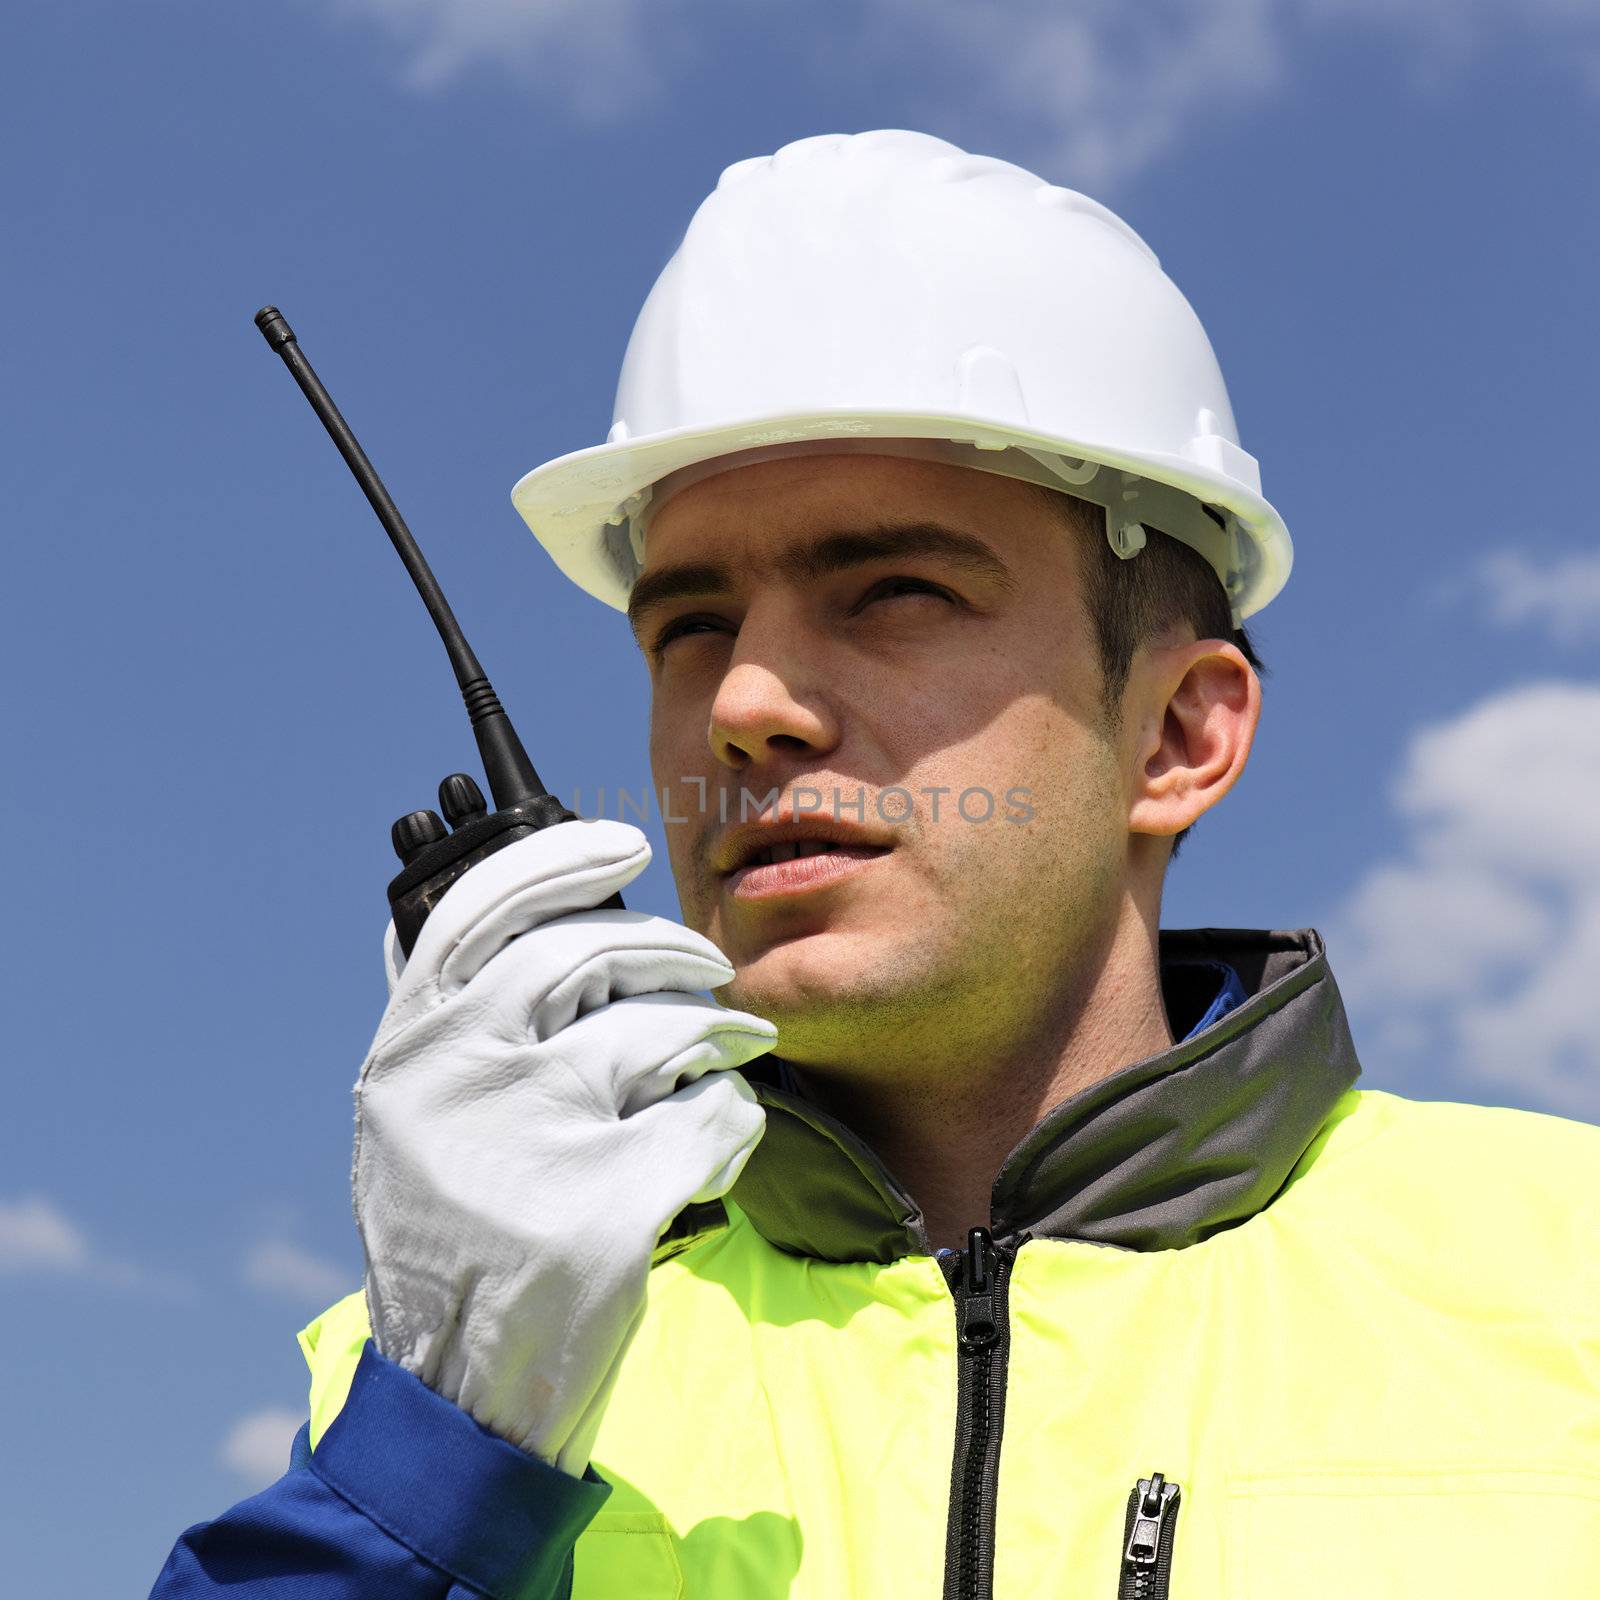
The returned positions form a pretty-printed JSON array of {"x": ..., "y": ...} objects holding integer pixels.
[{"x": 1147, "y": 1533}]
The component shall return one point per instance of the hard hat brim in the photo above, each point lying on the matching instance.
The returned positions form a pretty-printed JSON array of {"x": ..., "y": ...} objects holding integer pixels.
[{"x": 575, "y": 505}]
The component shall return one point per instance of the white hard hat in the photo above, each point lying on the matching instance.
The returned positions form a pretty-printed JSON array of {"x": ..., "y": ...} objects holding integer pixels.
[{"x": 887, "y": 292}]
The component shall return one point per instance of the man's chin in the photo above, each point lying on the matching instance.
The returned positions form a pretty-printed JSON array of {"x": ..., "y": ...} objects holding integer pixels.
[
  {"x": 812, "y": 978},
  {"x": 800, "y": 971},
  {"x": 813, "y": 953}
]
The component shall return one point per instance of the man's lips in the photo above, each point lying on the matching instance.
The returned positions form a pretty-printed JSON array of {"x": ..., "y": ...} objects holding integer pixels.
[
  {"x": 779, "y": 840},
  {"x": 797, "y": 874},
  {"x": 787, "y": 855}
]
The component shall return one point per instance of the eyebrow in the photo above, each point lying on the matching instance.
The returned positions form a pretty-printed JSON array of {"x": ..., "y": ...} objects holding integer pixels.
[{"x": 820, "y": 558}]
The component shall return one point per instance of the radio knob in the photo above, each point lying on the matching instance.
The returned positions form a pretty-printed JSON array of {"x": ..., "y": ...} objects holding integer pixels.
[
  {"x": 414, "y": 832},
  {"x": 461, "y": 799}
]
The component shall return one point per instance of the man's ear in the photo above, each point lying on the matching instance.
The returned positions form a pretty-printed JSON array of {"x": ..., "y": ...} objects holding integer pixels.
[{"x": 1194, "y": 709}]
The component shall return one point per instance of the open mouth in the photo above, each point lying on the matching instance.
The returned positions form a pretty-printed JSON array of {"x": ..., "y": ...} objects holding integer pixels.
[
  {"x": 799, "y": 866},
  {"x": 788, "y": 852}
]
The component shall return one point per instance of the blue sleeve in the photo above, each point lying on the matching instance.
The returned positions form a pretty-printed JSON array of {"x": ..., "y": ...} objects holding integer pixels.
[{"x": 406, "y": 1497}]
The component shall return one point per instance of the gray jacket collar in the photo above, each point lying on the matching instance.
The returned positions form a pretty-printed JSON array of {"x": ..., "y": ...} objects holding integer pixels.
[{"x": 1155, "y": 1157}]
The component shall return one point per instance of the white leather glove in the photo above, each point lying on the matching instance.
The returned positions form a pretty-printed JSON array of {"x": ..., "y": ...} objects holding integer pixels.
[{"x": 544, "y": 1095}]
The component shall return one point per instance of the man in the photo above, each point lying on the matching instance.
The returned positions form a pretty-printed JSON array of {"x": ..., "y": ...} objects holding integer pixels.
[{"x": 1045, "y": 1254}]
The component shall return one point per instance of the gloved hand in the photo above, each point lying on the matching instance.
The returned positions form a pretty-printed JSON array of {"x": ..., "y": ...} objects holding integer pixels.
[{"x": 543, "y": 1097}]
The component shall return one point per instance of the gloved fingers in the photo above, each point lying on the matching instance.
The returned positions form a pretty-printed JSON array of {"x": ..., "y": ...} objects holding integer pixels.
[
  {"x": 394, "y": 961},
  {"x": 694, "y": 1144},
  {"x": 570, "y": 867},
  {"x": 637, "y": 1051},
  {"x": 562, "y": 970}
]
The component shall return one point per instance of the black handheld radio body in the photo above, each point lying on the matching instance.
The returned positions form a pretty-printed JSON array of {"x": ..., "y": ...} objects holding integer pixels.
[{"x": 434, "y": 851}]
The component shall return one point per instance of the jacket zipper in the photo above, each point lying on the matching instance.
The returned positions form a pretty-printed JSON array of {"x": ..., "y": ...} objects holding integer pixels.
[
  {"x": 1147, "y": 1533},
  {"x": 978, "y": 1278}
]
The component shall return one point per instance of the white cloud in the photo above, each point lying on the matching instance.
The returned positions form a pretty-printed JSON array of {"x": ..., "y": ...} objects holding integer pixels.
[
  {"x": 1108, "y": 87},
  {"x": 1560, "y": 595},
  {"x": 257, "y": 1446},
  {"x": 589, "y": 54},
  {"x": 282, "y": 1268},
  {"x": 1474, "y": 952},
  {"x": 36, "y": 1236},
  {"x": 1104, "y": 89}
]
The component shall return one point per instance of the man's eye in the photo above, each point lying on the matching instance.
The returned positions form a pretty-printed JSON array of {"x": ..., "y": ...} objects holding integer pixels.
[
  {"x": 891, "y": 588},
  {"x": 682, "y": 627}
]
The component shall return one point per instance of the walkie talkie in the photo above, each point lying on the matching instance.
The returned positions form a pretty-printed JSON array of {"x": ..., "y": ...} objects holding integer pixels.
[{"x": 432, "y": 854}]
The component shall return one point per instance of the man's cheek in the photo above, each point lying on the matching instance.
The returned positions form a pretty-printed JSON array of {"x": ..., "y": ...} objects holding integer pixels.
[{"x": 694, "y": 882}]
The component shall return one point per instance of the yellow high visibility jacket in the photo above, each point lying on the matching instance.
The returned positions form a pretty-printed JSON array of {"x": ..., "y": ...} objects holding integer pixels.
[{"x": 1357, "y": 1337}]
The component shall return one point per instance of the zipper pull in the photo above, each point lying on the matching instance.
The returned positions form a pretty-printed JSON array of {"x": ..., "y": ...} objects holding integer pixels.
[
  {"x": 977, "y": 1324},
  {"x": 1157, "y": 1505}
]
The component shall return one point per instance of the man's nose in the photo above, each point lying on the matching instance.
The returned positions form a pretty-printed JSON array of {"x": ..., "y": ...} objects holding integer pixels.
[{"x": 769, "y": 705}]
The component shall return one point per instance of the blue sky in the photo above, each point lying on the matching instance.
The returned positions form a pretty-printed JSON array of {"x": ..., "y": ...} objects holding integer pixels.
[{"x": 220, "y": 690}]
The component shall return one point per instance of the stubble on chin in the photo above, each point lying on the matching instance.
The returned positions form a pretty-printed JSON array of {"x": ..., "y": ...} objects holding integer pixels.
[{"x": 868, "y": 999}]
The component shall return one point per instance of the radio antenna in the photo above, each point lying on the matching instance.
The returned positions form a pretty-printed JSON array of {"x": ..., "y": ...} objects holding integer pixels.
[{"x": 512, "y": 779}]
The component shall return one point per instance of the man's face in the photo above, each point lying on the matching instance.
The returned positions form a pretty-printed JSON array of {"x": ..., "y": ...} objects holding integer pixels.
[{"x": 899, "y": 650}]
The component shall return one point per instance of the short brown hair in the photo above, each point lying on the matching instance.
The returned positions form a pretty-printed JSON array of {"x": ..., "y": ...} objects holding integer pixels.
[{"x": 1132, "y": 601}]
